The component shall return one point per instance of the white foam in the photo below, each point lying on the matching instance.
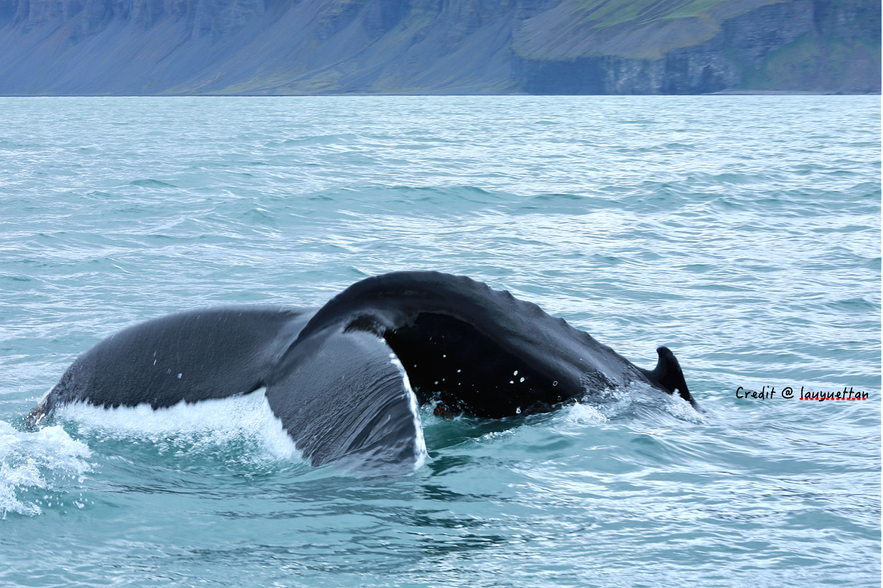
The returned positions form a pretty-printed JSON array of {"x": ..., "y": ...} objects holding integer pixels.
[
  {"x": 205, "y": 424},
  {"x": 36, "y": 461},
  {"x": 648, "y": 399},
  {"x": 635, "y": 400},
  {"x": 583, "y": 414}
]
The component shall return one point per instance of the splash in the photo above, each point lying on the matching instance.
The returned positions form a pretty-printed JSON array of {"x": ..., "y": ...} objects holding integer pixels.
[
  {"x": 635, "y": 402},
  {"x": 33, "y": 465},
  {"x": 201, "y": 427}
]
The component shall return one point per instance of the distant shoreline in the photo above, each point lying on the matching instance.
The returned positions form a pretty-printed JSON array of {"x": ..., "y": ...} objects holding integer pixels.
[{"x": 390, "y": 94}]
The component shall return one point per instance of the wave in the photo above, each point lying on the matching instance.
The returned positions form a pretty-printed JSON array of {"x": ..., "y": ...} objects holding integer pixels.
[{"x": 35, "y": 467}]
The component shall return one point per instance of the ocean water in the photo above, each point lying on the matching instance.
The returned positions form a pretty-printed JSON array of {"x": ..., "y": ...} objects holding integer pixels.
[{"x": 741, "y": 231}]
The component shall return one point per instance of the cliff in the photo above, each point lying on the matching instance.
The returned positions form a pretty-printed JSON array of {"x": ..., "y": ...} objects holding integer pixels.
[{"x": 437, "y": 46}]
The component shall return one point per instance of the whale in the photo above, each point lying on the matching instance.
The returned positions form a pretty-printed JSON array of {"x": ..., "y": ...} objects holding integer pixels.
[{"x": 347, "y": 379}]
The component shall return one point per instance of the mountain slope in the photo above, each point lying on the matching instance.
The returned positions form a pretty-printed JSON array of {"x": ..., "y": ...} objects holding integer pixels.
[{"x": 437, "y": 46}]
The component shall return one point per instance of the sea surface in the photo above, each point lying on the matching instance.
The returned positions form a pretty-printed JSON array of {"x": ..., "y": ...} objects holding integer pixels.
[{"x": 741, "y": 231}]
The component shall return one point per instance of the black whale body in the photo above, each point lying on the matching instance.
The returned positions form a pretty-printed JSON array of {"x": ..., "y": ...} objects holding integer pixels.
[{"x": 340, "y": 377}]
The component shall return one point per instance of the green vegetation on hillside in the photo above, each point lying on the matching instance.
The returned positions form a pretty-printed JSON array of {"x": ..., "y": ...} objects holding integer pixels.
[
  {"x": 813, "y": 63},
  {"x": 607, "y": 13}
]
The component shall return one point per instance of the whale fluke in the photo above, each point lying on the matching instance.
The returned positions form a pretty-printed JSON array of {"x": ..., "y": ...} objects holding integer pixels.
[
  {"x": 346, "y": 379},
  {"x": 669, "y": 376}
]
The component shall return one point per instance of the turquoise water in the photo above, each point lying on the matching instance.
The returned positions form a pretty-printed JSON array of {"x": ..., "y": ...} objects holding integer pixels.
[{"x": 743, "y": 232}]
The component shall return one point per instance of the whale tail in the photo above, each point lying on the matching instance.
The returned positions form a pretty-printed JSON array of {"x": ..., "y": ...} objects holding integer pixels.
[
  {"x": 38, "y": 413},
  {"x": 669, "y": 376},
  {"x": 344, "y": 397}
]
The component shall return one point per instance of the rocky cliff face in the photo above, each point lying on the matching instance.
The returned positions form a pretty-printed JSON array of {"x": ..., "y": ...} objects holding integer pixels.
[
  {"x": 436, "y": 46},
  {"x": 731, "y": 46}
]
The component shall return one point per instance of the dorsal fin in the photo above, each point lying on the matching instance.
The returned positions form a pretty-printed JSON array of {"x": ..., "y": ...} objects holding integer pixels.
[{"x": 668, "y": 374}]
